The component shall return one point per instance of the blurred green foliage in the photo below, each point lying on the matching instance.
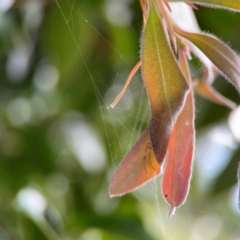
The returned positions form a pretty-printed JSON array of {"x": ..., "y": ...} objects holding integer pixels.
[{"x": 62, "y": 63}]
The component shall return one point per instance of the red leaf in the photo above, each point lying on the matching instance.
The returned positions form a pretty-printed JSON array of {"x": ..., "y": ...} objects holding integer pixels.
[
  {"x": 138, "y": 167},
  {"x": 210, "y": 93},
  {"x": 177, "y": 173}
]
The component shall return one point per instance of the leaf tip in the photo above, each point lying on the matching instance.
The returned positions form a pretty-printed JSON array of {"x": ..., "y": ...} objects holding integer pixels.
[
  {"x": 172, "y": 211},
  {"x": 111, "y": 106},
  {"x": 113, "y": 193}
]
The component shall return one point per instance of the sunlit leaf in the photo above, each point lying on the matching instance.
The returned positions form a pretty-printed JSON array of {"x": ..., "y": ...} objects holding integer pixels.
[
  {"x": 224, "y": 58},
  {"x": 210, "y": 93},
  {"x": 177, "y": 173},
  {"x": 164, "y": 81},
  {"x": 138, "y": 167},
  {"x": 231, "y": 4}
]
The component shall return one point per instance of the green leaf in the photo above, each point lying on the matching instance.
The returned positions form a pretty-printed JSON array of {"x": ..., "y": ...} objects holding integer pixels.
[
  {"x": 222, "y": 56},
  {"x": 138, "y": 167},
  {"x": 230, "y": 4},
  {"x": 166, "y": 86}
]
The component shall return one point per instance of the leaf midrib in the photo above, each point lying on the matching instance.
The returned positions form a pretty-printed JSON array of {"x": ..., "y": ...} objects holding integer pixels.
[{"x": 161, "y": 67}]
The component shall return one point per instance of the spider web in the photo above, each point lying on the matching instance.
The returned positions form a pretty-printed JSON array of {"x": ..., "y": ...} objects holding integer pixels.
[{"x": 199, "y": 218}]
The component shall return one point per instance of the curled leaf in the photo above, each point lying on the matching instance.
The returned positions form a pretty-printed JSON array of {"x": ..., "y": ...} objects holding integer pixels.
[
  {"x": 177, "y": 173},
  {"x": 138, "y": 167},
  {"x": 166, "y": 86},
  {"x": 231, "y": 4},
  {"x": 210, "y": 93},
  {"x": 133, "y": 72},
  {"x": 222, "y": 56}
]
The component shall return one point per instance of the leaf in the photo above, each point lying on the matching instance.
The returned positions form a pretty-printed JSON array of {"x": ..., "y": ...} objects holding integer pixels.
[
  {"x": 164, "y": 81},
  {"x": 209, "y": 70},
  {"x": 210, "y": 93},
  {"x": 133, "y": 72},
  {"x": 192, "y": 6},
  {"x": 231, "y": 4},
  {"x": 224, "y": 58},
  {"x": 168, "y": 22},
  {"x": 177, "y": 173},
  {"x": 138, "y": 167}
]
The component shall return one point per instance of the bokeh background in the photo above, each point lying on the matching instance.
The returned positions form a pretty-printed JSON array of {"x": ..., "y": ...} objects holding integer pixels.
[{"x": 61, "y": 64}]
